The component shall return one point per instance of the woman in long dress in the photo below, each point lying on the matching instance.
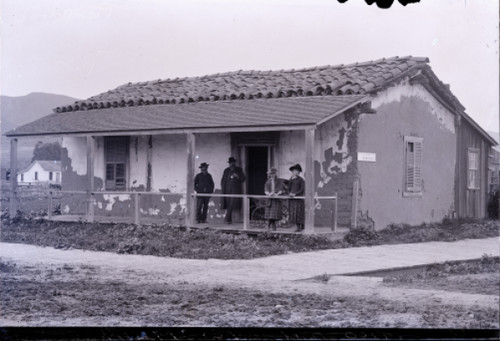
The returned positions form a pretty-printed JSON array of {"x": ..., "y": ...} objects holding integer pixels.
[
  {"x": 274, "y": 207},
  {"x": 296, "y": 206}
]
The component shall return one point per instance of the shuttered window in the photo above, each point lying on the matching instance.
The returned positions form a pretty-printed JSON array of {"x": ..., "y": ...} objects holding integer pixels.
[
  {"x": 413, "y": 165},
  {"x": 473, "y": 169},
  {"x": 116, "y": 155}
]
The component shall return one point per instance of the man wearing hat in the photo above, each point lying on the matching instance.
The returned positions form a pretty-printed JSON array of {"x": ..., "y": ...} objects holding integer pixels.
[
  {"x": 203, "y": 183},
  {"x": 232, "y": 183}
]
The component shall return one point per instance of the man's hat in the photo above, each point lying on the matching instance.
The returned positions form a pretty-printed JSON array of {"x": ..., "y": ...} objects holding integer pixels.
[
  {"x": 231, "y": 159},
  {"x": 204, "y": 165},
  {"x": 297, "y": 167}
]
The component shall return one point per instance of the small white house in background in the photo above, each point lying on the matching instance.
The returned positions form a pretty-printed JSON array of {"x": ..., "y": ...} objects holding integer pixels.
[{"x": 41, "y": 172}]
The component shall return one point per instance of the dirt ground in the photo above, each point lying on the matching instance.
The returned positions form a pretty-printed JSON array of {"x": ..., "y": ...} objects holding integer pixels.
[{"x": 59, "y": 293}]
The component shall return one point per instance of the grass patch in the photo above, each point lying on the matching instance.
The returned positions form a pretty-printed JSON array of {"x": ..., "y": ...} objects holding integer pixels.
[
  {"x": 164, "y": 240},
  {"x": 448, "y": 230},
  {"x": 487, "y": 264},
  {"x": 477, "y": 277}
]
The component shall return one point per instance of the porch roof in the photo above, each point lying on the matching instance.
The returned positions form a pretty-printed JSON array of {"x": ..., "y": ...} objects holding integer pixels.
[{"x": 225, "y": 115}]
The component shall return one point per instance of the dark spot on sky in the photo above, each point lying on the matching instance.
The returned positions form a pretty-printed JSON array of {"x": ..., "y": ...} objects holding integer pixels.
[{"x": 385, "y": 3}]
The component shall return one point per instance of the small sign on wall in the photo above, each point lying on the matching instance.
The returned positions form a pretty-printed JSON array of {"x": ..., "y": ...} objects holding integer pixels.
[{"x": 367, "y": 157}]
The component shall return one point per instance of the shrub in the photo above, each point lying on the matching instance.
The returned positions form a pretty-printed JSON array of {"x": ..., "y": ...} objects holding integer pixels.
[{"x": 361, "y": 236}]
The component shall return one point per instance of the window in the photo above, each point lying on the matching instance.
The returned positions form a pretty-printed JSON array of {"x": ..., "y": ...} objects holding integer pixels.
[
  {"x": 50, "y": 176},
  {"x": 22, "y": 177},
  {"x": 413, "y": 165},
  {"x": 36, "y": 176},
  {"x": 473, "y": 169},
  {"x": 116, "y": 151}
]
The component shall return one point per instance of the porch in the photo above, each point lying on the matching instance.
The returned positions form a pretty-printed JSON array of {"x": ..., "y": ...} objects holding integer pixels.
[{"x": 142, "y": 171}]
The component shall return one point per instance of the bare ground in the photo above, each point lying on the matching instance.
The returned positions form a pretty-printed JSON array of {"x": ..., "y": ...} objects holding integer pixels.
[{"x": 61, "y": 292}]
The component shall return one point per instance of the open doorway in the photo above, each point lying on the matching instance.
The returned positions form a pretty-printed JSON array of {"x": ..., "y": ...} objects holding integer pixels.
[{"x": 257, "y": 166}]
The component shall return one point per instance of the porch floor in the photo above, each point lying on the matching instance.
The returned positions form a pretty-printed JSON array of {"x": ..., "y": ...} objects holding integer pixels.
[{"x": 230, "y": 228}]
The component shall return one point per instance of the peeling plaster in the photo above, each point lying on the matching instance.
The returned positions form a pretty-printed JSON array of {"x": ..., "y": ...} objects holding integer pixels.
[
  {"x": 181, "y": 205},
  {"x": 333, "y": 141},
  {"x": 110, "y": 199},
  {"x": 150, "y": 211},
  {"x": 405, "y": 89}
]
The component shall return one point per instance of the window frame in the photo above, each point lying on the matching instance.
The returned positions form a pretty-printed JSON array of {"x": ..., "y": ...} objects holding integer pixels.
[
  {"x": 415, "y": 190},
  {"x": 477, "y": 178},
  {"x": 125, "y": 163}
]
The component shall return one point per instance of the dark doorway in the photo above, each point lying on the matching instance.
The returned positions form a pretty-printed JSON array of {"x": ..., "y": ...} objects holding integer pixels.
[{"x": 257, "y": 169}]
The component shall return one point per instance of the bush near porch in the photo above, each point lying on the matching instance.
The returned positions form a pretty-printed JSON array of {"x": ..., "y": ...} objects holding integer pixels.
[{"x": 162, "y": 240}]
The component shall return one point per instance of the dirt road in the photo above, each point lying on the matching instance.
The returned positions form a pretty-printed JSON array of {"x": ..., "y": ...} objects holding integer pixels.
[{"x": 74, "y": 287}]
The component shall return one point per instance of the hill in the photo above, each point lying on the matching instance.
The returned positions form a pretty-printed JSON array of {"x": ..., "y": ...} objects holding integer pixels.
[{"x": 19, "y": 110}]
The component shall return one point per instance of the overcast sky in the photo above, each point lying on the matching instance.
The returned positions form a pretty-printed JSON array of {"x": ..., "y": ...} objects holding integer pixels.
[{"x": 82, "y": 48}]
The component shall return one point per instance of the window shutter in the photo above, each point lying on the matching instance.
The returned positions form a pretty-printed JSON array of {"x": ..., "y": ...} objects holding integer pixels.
[
  {"x": 413, "y": 164},
  {"x": 417, "y": 178},
  {"x": 410, "y": 158}
]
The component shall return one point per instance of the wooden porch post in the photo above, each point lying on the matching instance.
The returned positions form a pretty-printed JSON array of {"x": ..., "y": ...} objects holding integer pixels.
[
  {"x": 354, "y": 204},
  {"x": 309, "y": 179},
  {"x": 13, "y": 178},
  {"x": 190, "y": 201},
  {"x": 90, "y": 178}
]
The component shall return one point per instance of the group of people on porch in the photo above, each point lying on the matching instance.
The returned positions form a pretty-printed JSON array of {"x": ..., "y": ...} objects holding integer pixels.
[{"x": 232, "y": 183}]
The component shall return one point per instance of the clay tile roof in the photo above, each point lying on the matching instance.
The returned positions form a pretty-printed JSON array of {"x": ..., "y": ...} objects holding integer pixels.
[{"x": 257, "y": 83}]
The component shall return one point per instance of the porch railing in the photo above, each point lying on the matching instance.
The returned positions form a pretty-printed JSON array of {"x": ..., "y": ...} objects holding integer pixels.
[
  {"x": 246, "y": 204},
  {"x": 136, "y": 196}
]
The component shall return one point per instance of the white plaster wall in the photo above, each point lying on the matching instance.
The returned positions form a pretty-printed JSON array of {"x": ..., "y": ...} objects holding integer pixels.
[
  {"x": 213, "y": 149},
  {"x": 169, "y": 159},
  {"x": 291, "y": 151},
  {"x": 169, "y": 163},
  {"x": 99, "y": 169},
  {"x": 138, "y": 161}
]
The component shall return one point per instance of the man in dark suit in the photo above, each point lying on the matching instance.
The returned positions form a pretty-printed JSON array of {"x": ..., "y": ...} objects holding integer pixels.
[
  {"x": 203, "y": 183},
  {"x": 232, "y": 183}
]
